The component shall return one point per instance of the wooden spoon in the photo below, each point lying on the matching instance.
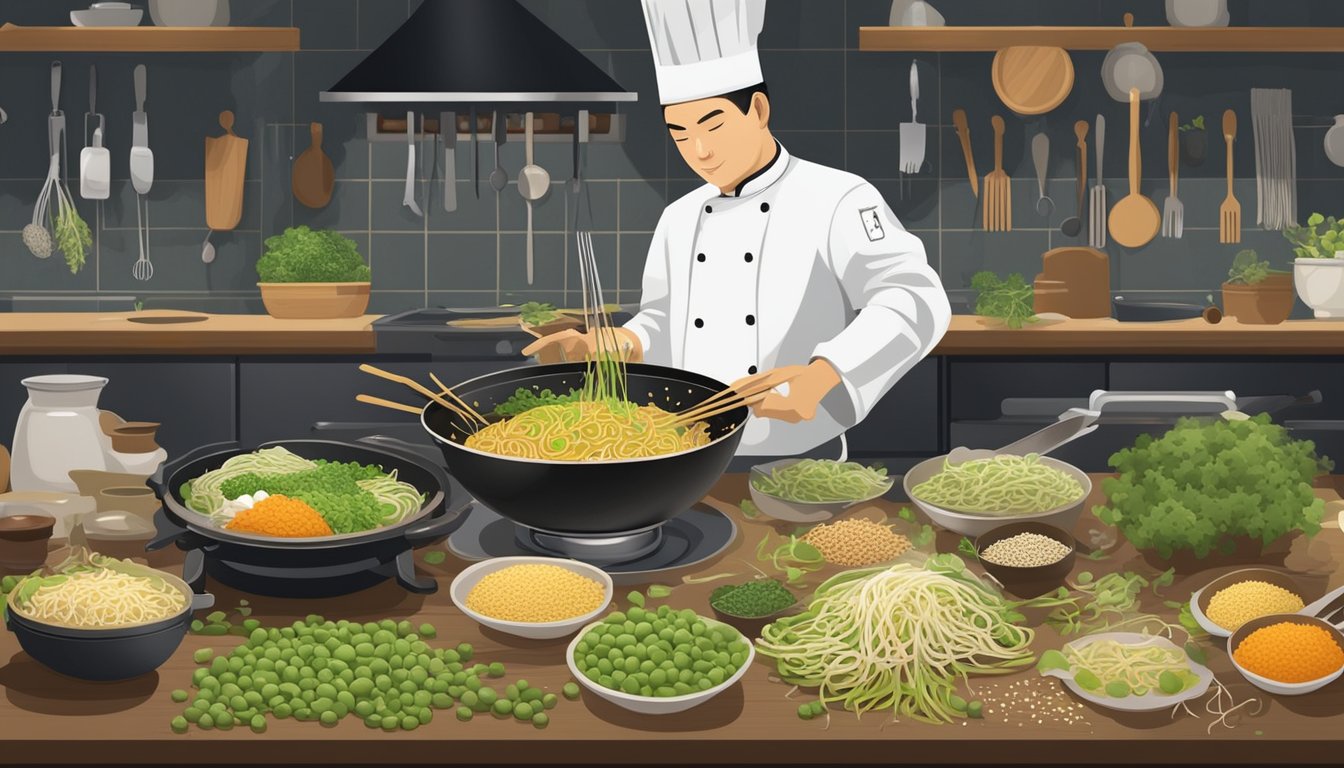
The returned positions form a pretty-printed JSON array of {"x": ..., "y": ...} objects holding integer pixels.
[
  {"x": 314, "y": 176},
  {"x": 1134, "y": 220}
]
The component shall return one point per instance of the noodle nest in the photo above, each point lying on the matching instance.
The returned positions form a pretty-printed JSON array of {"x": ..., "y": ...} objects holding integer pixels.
[
  {"x": 1002, "y": 486},
  {"x": 98, "y": 598},
  {"x": 601, "y": 430}
]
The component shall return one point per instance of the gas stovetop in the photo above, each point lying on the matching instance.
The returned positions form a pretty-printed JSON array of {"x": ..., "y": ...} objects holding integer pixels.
[{"x": 427, "y": 332}]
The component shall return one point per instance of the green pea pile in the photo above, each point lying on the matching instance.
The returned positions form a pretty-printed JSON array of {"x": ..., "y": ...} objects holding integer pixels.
[
  {"x": 381, "y": 672},
  {"x": 753, "y": 599},
  {"x": 659, "y": 653}
]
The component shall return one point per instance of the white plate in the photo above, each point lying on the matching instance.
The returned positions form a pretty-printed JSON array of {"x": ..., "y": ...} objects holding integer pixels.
[
  {"x": 1149, "y": 702},
  {"x": 107, "y": 17},
  {"x": 649, "y": 705},
  {"x": 472, "y": 575}
]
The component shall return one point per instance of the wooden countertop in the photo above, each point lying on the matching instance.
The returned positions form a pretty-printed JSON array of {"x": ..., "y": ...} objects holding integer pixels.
[
  {"x": 973, "y": 335},
  {"x": 150, "y": 333},
  {"x": 156, "y": 332},
  {"x": 52, "y": 719}
]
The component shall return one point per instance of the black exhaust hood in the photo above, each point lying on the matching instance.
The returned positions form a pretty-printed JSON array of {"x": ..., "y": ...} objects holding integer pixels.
[{"x": 476, "y": 52}]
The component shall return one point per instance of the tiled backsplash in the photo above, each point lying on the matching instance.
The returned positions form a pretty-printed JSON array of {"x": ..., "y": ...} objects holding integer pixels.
[{"x": 833, "y": 104}]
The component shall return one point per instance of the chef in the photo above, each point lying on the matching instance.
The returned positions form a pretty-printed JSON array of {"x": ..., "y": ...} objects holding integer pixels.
[{"x": 777, "y": 269}]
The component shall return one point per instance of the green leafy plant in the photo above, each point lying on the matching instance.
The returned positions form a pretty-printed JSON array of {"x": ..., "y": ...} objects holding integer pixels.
[
  {"x": 1194, "y": 125},
  {"x": 792, "y": 556},
  {"x": 1007, "y": 300},
  {"x": 1249, "y": 269},
  {"x": 1203, "y": 485},
  {"x": 302, "y": 255},
  {"x": 73, "y": 237},
  {"x": 537, "y": 313},
  {"x": 1308, "y": 243}
]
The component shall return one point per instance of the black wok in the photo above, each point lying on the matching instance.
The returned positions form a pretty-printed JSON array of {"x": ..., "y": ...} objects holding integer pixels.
[{"x": 588, "y": 498}]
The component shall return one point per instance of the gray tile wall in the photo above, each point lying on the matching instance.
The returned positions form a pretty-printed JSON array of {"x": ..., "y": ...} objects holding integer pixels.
[{"x": 833, "y": 104}]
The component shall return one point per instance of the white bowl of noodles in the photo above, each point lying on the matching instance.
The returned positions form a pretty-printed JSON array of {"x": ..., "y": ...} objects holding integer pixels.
[{"x": 963, "y": 508}]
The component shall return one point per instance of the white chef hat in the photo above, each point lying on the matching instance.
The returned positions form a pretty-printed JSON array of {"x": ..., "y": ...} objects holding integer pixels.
[{"x": 704, "y": 48}]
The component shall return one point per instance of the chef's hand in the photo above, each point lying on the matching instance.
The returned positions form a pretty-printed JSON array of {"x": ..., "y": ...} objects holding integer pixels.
[
  {"x": 808, "y": 386},
  {"x": 577, "y": 347}
]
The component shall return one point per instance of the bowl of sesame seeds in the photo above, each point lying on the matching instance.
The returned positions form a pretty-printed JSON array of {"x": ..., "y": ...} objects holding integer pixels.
[
  {"x": 538, "y": 598},
  {"x": 1027, "y": 557}
]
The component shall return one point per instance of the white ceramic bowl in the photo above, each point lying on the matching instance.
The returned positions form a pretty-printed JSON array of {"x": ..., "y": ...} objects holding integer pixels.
[
  {"x": 1320, "y": 285},
  {"x": 108, "y": 15},
  {"x": 1273, "y": 686},
  {"x": 471, "y": 576},
  {"x": 1200, "y": 598},
  {"x": 650, "y": 705},
  {"x": 801, "y": 511},
  {"x": 1064, "y": 517}
]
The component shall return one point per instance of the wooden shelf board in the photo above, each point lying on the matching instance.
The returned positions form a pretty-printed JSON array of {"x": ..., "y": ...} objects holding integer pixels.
[
  {"x": 15, "y": 39},
  {"x": 1169, "y": 39}
]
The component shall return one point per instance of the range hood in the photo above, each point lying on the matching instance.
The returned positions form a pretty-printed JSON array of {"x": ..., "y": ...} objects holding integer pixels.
[{"x": 476, "y": 52}]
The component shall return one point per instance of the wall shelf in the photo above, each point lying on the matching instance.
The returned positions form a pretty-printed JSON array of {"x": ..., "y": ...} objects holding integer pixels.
[
  {"x": 14, "y": 39},
  {"x": 1157, "y": 39}
]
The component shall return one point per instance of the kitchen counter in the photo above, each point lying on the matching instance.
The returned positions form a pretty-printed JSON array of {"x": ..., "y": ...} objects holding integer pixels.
[
  {"x": 53, "y": 719},
  {"x": 971, "y": 335},
  {"x": 153, "y": 332},
  {"x": 156, "y": 332}
]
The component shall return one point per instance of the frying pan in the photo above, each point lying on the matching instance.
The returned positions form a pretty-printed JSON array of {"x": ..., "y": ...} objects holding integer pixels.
[{"x": 585, "y": 498}]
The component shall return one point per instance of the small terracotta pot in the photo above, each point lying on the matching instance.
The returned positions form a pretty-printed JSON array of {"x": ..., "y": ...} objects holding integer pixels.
[
  {"x": 1268, "y": 302},
  {"x": 315, "y": 301}
]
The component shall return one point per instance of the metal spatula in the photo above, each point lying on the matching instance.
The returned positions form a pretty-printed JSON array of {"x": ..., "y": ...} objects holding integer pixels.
[
  {"x": 913, "y": 137},
  {"x": 1096, "y": 221}
]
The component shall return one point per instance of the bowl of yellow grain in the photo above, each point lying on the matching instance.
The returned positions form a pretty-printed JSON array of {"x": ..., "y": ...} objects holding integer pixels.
[
  {"x": 1235, "y": 598},
  {"x": 538, "y": 598}
]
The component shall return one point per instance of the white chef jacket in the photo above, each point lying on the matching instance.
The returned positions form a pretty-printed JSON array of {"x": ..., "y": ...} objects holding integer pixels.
[{"x": 800, "y": 262}]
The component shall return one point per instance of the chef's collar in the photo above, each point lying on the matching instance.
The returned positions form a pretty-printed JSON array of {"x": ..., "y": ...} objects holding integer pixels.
[{"x": 768, "y": 174}]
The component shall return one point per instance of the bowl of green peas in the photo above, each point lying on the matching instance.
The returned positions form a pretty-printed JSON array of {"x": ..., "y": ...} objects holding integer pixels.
[{"x": 658, "y": 661}]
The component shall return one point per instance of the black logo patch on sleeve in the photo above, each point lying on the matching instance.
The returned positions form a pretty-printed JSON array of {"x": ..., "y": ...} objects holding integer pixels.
[{"x": 872, "y": 224}]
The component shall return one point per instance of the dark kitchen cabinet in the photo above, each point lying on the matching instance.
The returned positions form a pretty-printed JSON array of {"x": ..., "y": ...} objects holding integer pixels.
[
  {"x": 286, "y": 399},
  {"x": 978, "y": 388},
  {"x": 194, "y": 401},
  {"x": 905, "y": 421}
]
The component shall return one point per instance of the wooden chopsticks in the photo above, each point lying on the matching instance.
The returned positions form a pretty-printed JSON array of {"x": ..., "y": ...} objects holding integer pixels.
[
  {"x": 371, "y": 400},
  {"x": 750, "y": 392},
  {"x": 457, "y": 405}
]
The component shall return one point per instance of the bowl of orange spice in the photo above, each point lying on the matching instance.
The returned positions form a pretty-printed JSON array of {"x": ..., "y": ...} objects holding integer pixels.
[
  {"x": 1288, "y": 654},
  {"x": 280, "y": 516}
]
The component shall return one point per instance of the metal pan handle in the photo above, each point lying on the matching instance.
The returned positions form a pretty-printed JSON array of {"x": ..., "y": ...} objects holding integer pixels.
[
  {"x": 1101, "y": 398},
  {"x": 169, "y": 468}
]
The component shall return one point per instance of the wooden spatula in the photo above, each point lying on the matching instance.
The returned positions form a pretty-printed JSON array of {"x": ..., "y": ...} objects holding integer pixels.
[
  {"x": 1135, "y": 220},
  {"x": 998, "y": 189},
  {"x": 313, "y": 177},
  {"x": 1229, "y": 214}
]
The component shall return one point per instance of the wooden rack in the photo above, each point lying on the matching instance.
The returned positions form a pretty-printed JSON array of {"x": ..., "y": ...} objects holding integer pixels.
[
  {"x": 1168, "y": 39},
  {"x": 14, "y": 38}
]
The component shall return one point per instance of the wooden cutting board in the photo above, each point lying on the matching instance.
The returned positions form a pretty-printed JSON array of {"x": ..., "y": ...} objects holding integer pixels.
[
  {"x": 314, "y": 175},
  {"x": 225, "y": 171},
  {"x": 1086, "y": 277}
]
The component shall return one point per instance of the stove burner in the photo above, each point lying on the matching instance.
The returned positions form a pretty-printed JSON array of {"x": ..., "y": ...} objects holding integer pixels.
[{"x": 599, "y": 549}]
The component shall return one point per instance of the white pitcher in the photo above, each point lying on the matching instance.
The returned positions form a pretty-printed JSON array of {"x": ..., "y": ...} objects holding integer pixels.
[{"x": 58, "y": 431}]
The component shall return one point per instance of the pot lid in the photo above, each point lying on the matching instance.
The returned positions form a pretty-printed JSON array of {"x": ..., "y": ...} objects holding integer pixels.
[
  {"x": 64, "y": 382},
  {"x": 476, "y": 51}
]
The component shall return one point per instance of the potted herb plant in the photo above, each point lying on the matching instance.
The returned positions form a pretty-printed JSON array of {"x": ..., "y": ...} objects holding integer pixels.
[
  {"x": 308, "y": 274},
  {"x": 1194, "y": 143},
  {"x": 1006, "y": 301},
  {"x": 1318, "y": 270},
  {"x": 1256, "y": 294}
]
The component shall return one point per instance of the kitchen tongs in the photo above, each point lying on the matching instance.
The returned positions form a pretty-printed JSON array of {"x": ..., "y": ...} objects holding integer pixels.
[{"x": 1076, "y": 422}]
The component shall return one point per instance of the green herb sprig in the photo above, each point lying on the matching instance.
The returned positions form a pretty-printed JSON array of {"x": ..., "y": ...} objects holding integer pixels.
[{"x": 1008, "y": 300}]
